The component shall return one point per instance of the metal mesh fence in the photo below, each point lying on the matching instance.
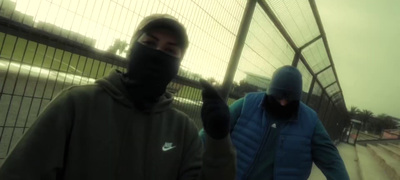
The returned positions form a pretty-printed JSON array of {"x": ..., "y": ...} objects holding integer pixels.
[
  {"x": 297, "y": 18},
  {"x": 289, "y": 32},
  {"x": 265, "y": 50},
  {"x": 32, "y": 74},
  {"x": 307, "y": 80},
  {"x": 49, "y": 45},
  {"x": 315, "y": 97},
  {"x": 316, "y": 56}
]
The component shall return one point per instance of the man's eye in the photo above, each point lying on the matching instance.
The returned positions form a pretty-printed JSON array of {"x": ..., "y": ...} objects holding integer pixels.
[
  {"x": 150, "y": 43},
  {"x": 172, "y": 51}
]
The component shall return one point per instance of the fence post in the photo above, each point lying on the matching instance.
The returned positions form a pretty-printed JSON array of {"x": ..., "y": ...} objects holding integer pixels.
[{"x": 237, "y": 48}]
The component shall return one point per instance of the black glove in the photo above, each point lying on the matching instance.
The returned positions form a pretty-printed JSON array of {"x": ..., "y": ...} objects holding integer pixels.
[{"x": 214, "y": 113}]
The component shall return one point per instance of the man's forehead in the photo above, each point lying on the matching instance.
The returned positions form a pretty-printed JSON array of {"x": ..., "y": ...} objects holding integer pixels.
[
  {"x": 164, "y": 33},
  {"x": 168, "y": 31}
]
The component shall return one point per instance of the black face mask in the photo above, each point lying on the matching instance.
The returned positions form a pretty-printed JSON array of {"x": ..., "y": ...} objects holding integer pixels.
[
  {"x": 150, "y": 71},
  {"x": 278, "y": 111}
]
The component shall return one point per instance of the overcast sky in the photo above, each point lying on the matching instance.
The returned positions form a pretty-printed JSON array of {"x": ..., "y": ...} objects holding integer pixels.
[{"x": 364, "y": 39}]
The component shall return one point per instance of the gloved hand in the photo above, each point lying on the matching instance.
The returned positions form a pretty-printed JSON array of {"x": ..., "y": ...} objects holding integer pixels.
[{"x": 214, "y": 113}]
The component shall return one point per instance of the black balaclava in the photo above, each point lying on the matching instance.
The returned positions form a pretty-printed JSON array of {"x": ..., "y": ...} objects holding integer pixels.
[
  {"x": 281, "y": 112},
  {"x": 286, "y": 84},
  {"x": 149, "y": 70}
]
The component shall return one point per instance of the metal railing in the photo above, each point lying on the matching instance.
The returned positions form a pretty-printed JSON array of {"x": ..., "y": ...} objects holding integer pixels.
[{"x": 229, "y": 42}]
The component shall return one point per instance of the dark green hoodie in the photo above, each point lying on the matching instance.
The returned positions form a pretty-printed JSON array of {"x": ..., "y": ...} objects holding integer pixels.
[{"x": 94, "y": 132}]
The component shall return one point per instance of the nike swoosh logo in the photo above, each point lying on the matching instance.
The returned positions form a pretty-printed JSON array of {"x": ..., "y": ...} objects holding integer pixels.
[{"x": 167, "y": 148}]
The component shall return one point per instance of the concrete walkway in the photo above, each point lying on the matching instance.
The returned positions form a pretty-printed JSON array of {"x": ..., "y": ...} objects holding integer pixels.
[
  {"x": 348, "y": 154},
  {"x": 369, "y": 165}
]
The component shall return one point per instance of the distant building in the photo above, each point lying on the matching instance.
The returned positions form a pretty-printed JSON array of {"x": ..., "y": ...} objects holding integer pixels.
[
  {"x": 7, "y": 10},
  {"x": 261, "y": 82},
  {"x": 391, "y": 134}
]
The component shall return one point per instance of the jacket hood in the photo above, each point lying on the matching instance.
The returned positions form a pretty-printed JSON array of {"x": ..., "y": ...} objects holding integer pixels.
[
  {"x": 286, "y": 83},
  {"x": 162, "y": 21},
  {"x": 114, "y": 85}
]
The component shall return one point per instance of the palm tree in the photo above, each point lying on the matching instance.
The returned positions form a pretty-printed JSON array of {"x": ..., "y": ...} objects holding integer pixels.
[
  {"x": 365, "y": 116},
  {"x": 381, "y": 122},
  {"x": 354, "y": 111},
  {"x": 387, "y": 121}
]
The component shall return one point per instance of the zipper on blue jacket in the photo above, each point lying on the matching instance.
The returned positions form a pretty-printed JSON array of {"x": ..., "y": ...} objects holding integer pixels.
[
  {"x": 278, "y": 147},
  {"x": 266, "y": 135}
]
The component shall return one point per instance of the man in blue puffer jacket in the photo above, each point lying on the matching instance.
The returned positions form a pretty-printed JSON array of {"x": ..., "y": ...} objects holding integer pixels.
[{"x": 278, "y": 137}]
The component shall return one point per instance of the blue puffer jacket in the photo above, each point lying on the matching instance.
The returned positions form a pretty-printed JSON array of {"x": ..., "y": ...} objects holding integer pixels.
[
  {"x": 293, "y": 157},
  {"x": 281, "y": 148}
]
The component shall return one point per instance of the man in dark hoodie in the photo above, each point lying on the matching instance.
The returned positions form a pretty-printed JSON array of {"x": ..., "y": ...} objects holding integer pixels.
[
  {"x": 278, "y": 137},
  {"x": 123, "y": 126}
]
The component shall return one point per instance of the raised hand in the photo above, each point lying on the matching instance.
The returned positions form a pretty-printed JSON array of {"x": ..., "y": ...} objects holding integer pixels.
[{"x": 214, "y": 113}]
